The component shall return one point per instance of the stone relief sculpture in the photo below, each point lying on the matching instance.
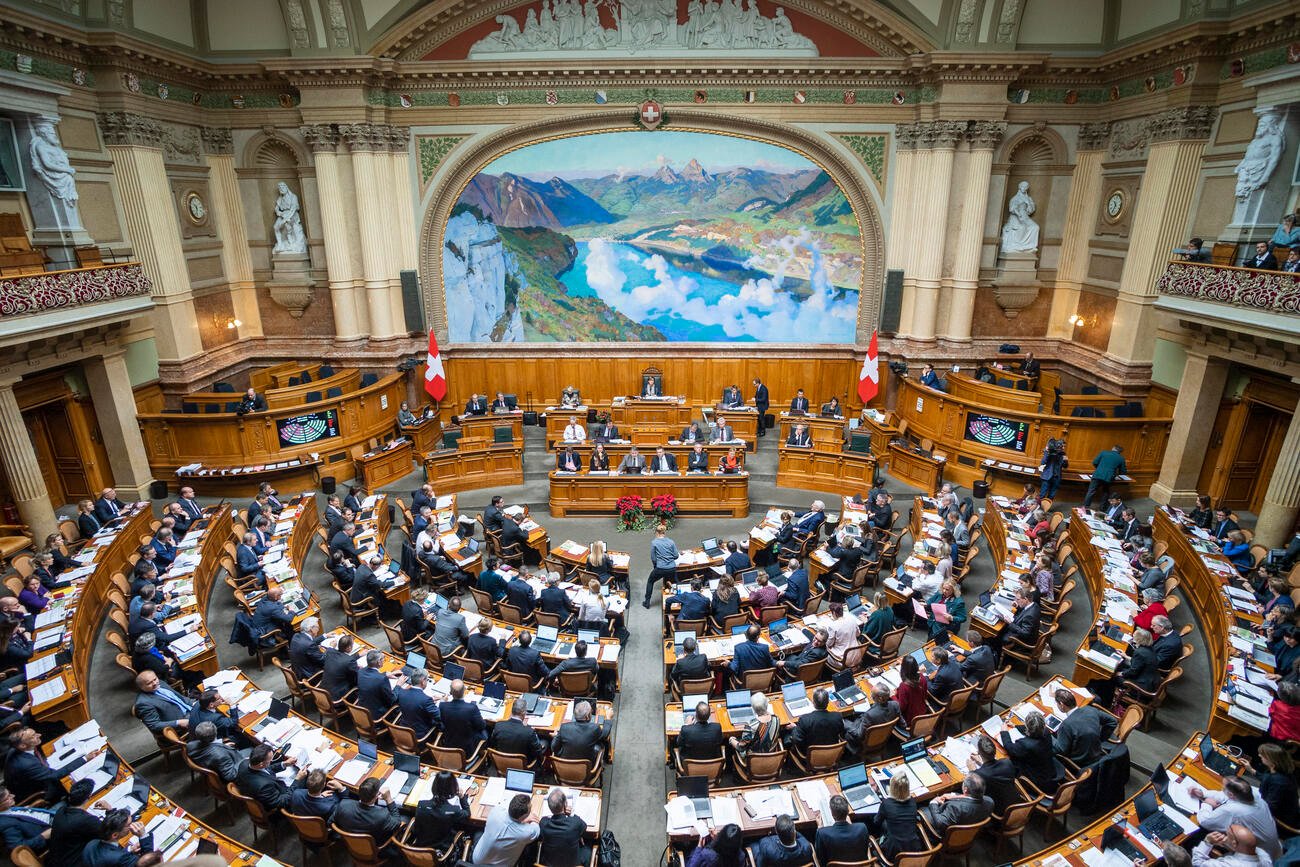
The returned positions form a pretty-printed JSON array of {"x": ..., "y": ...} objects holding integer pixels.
[
  {"x": 1262, "y": 156},
  {"x": 632, "y": 26},
  {"x": 289, "y": 237},
  {"x": 1020, "y": 233},
  {"x": 50, "y": 164}
]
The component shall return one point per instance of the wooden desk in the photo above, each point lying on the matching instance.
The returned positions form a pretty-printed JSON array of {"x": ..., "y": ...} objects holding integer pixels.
[
  {"x": 827, "y": 433},
  {"x": 963, "y": 387},
  {"x": 824, "y": 469},
  {"x": 1008, "y": 477},
  {"x": 708, "y": 494},
  {"x": 681, "y": 451},
  {"x": 557, "y": 419},
  {"x": 915, "y": 469},
  {"x": 385, "y": 465},
  {"x": 743, "y": 423},
  {"x": 426, "y": 434},
  {"x": 467, "y": 469},
  {"x": 296, "y": 474},
  {"x": 1088, "y": 665},
  {"x": 882, "y": 434},
  {"x": 483, "y": 426},
  {"x": 658, "y": 420}
]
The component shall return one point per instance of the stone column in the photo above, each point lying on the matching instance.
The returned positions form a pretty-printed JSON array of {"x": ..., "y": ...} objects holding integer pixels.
[
  {"x": 229, "y": 216},
  {"x": 1080, "y": 214},
  {"x": 899, "y": 250},
  {"x": 348, "y": 309},
  {"x": 1282, "y": 499},
  {"x": 110, "y": 389},
  {"x": 364, "y": 140},
  {"x": 26, "y": 482},
  {"x": 1159, "y": 224},
  {"x": 1199, "y": 394},
  {"x": 984, "y": 137},
  {"x": 927, "y": 261},
  {"x": 395, "y": 198},
  {"x": 134, "y": 143}
]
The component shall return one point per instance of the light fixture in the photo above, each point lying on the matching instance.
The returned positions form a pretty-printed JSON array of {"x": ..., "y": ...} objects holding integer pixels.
[
  {"x": 232, "y": 323},
  {"x": 1078, "y": 321}
]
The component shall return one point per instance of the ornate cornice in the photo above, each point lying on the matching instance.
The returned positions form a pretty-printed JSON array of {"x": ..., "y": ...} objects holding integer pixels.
[
  {"x": 320, "y": 138},
  {"x": 985, "y": 134},
  {"x": 124, "y": 128},
  {"x": 216, "y": 140},
  {"x": 1094, "y": 136},
  {"x": 1188, "y": 122}
]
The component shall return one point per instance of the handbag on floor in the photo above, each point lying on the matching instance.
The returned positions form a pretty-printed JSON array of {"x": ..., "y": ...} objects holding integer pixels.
[{"x": 610, "y": 855}]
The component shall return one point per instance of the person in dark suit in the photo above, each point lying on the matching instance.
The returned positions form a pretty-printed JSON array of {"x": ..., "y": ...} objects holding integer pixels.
[
  {"x": 72, "y": 829},
  {"x": 483, "y": 647},
  {"x": 799, "y": 437},
  {"x": 247, "y": 563},
  {"x": 700, "y": 739},
  {"x": 164, "y": 544},
  {"x": 108, "y": 506},
  {"x": 883, "y": 709},
  {"x": 26, "y": 771},
  {"x": 260, "y": 505},
  {"x": 463, "y": 726},
  {"x": 523, "y": 658},
  {"x": 737, "y": 560},
  {"x": 319, "y": 796},
  {"x": 785, "y": 848},
  {"x": 1032, "y": 754},
  {"x": 895, "y": 825},
  {"x": 514, "y": 735},
  {"x": 1263, "y": 260},
  {"x": 568, "y": 461},
  {"x": 1080, "y": 736},
  {"x": 88, "y": 523},
  {"x": 29, "y": 826},
  {"x": 969, "y": 807},
  {"x": 633, "y": 461},
  {"x": 251, "y": 402},
  {"x": 110, "y": 850},
  {"x": 698, "y": 460},
  {"x": 788, "y": 668},
  {"x": 663, "y": 462},
  {"x": 334, "y": 519},
  {"x": 578, "y": 662},
  {"x": 205, "y": 710},
  {"x": 476, "y": 405},
  {"x": 418, "y": 710},
  {"x": 731, "y": 397},
  {"x": 582, "y": 737},
  {"x": 561, "y": 835},
  {"x": 374, "y": 814},
  {"x": 690, "y": 664},
  {"x": 258, "y": 778},
  {"x": 519, "y": 593},
  {"x": 493, "y": 516},
  {"x": 694, "y": 605},
  {"x": 750, "y": 654},
  {"x": 691, "y": 435},
  {"x": 811, "y": 520},
  {"x": 799, "y": 403},
  {"x": 722, "y": 432},
  {"x": 947, "y": 677},
  {"x": 500, "y": 404},
  {"x": 1029, "y": 366},
  {"x": 1168, "y": 645},
  {"x": 1223, "y": 523},
  {"x": 207, "y": 752},
  {"x": 144, "y": 622},
  {"x": 930, "y": 378},
  {"x": 270, "y": 615},
  {"x": 841, "y": 840},
  {"x": 305, "y": 655},
  {"x": 999, "y": 775},
  {"x": 159, "y": 706},
  {"x": 438, "y": 818},
  {"x": 1026, "y": 621},
  {"x": 819, "y": 727},
  {"x": 374, "y": 688},
  {"x": 340, "y": 669},
  {"x": 605, "y": 433},
  {"x": 979, "y": 663},
  {"x": 342, "y": 541},
  {"x": 796, "y": 590},
  {"x": 367, "y": 591},
  {"x": 414, "y": 622},
  {"x": 513, "y": 534},
  {"x": 761, "y": 403},
  {"x": 425, "y": 496}
]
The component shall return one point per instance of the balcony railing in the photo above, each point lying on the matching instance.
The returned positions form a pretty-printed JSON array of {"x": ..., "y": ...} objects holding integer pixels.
[
  {"x": 1267, "y": 291},
  {"x": 53, "y": 290}
]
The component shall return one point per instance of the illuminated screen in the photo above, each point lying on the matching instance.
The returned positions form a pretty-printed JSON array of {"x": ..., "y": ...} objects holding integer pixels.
[{"x": 1000, "y": 432}]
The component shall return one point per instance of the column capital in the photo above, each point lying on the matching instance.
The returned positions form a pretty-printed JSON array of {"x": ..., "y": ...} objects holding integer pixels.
[
  {"x": 942, "y": 134},
  {"x": 320, "y": 138},
  {"x": 217, "y": 140},
  {"x": 399, "y": 138},
  {"x": 985, "y": 134},
  {"x": 125, "y": 128},
  {"x": 906, "y": 134},
  {"x": 1094, "y": 136},
  {"x": 1187, "y": 122},
  {"x": 364, "y": 136}
]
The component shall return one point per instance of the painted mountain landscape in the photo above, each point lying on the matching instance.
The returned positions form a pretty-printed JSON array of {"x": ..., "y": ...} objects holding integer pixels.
[{"x": 656, "y": 236}]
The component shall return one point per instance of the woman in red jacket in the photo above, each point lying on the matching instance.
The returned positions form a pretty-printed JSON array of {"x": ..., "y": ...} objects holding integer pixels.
[
  {"x": 1155, "y": 608},
  {"x": 911, "y": 693}
]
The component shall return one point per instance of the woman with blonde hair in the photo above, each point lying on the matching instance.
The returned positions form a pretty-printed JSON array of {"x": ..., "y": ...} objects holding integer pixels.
[
  {"x": 895, "y": 825},
  {"x": 591, "y": 606},
  {"x": 599, "y": 563}
]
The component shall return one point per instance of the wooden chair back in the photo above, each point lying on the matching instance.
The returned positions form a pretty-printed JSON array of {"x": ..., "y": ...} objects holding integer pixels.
[
  {"x": 758, "y": 679},
  {"x": 516, "y": 682},
  {"x": 503, "y": 762},
  {"x": 573, "y": 772},
  {"x": 362, "y": 848},
  {"x": 925, "y": 725},
  {"x": 711, "y": 768},
  {"x": 577, "y": 684},
  {"x": 763, "y": 767},
  {"x": 824, "y": 757},
  {"x": 811, "y": 672},
  {"x": 404, "y": 739}
]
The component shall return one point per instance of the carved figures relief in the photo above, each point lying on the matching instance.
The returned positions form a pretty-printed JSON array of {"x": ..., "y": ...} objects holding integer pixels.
[{"x": 656, "y": 236}]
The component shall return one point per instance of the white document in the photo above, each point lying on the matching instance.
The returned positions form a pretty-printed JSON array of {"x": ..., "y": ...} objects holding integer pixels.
[
  {"x": 681, "y": 813},
  {"x": 352, "y": 772},
  {"x": 48, "y": 691},
  {"x": 726, "y": 811},
  {"x": 494, "y": 791}
]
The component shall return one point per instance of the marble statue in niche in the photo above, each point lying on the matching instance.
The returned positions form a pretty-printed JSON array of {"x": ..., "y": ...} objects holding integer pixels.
[
  {"x": 1020, "y": 233},
  {"x": 1262, "y": 156},
  {"x": 50, "y": 164},
  {"x": 289, "y": 237}
]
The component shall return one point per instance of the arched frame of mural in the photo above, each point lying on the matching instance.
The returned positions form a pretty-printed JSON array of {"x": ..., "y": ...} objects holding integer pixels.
[{"x": 841, "y": 170}]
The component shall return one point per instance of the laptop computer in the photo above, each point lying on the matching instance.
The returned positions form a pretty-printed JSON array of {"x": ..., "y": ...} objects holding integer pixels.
[
  {"x": 738, "y": 707},
  {"x": 777, "y": 629},
  {"x": 856, "y": 788},
  {"x": 854, "y": 603},
  {"x": 924, "y": 661},
  {"x": 367, "y": 752},
  {"x": 453, "y": 671},
  {"x": 414, "y": 662},
  {"x": 440, "y": 602},
  {"x": 749, "y": 576},
  {"x": 795, "y": 696},
  {"x": 591, "y": 636},
  {"x": 1115, "y": 838},
  {"x": 711, "y": 547},
  {"x": 679, "y": 637},
  {"x": 847, "y": 690},
  {"x": 279, "y": 709},
  {"x": 740, "y": 629},
  {"x": 914, "y": 750},
  {"x": 697, "y": 789},
  {"x": 494, "y": 696},
  {"x": 472, "y": 545},
  {"x": 519, "y": 781},
  {"x": 689, "y": 703},
  {"x": 546, "y": 638},
  {"x": 1151, "y": 821},
  {"x": 1216, "y": 761},
  {"x": 411, "y": 766}
]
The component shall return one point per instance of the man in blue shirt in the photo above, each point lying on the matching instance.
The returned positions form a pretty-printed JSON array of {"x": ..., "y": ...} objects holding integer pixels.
[
  {"x": 694, "y": 604},
  {"x": 785, "y": 848},
  {"x": 750, "y": 654},
  {"x": 663, "y": 562}
]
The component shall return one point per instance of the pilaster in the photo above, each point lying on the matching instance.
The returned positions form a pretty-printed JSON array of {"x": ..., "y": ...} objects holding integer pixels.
[
  {"x": 364, "y": 141},
  {"x": 901, "y": 243},
  {"x": 1159, "y": 223},
  {"x": 110, "y": 389},
  {"x": 134, "y": 144},
  {"x": 21, "y": 467},
  {"x": 1080, "y": 211},
  {"x": 1199, "y": 394},
  {"x": 942, "y": 137},
  {"x": 323, "y": 140},
  {"x": 229, "y": 216},
  {"x": 984, "y": 137}
]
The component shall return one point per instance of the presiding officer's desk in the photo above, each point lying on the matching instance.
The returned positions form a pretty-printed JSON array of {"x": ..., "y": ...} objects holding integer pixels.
[
  {"x": 965, "y": 430},
  {"x": 824, "y": 432},
  {"x": 426, "y": 433},
  {"x": 743, "y": 421},
  {"x": 681, "y": 451},
  {"x": 824, "y": 468},
  {"x": 469, "y": 467},
  {"x": 483, "y": 426},
  {"x": 696, "y": 493},
  {"x": 294, "y": 474}
]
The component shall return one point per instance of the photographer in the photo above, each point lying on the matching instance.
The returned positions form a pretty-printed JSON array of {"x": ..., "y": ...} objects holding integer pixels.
[{"x": 1051, "y": 468}]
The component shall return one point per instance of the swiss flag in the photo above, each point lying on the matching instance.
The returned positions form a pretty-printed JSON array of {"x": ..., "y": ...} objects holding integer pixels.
[
  {"x": 869, "y": 378},
  {"x": 435, "y": 378}
]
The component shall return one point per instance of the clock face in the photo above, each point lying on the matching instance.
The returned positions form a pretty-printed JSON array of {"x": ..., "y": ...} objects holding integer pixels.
[
  {"x": 198, "y": 211},
  {"x": 1115, "y": 205}
]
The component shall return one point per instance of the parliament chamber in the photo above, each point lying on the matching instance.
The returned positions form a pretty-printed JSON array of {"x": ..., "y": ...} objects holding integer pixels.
[{"x": 409, "y": 406}]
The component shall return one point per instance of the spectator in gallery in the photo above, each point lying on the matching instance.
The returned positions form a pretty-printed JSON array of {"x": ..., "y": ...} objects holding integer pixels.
[
  {"x": 1287, "y": 233},
  {"x": 1263, "y": 260},
  {"x": 1195, "y": 251},
  {"x": 1292, "y": 263}
]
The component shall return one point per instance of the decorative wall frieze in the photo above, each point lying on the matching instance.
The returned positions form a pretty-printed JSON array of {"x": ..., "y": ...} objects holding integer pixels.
[
  {"x": 125, "y": 128},
  {"x": 985, "y": 134},
  {"x": 181, "y": 144},
  {"x": 943, "y": 133},
  {"x": 320, "y": 138},
  {"x": 1187, "y": 122},
  {"x": 1094, "y": 136},
  {"x": 399, "y": 138},
  {"x": 217, "y": 140}
]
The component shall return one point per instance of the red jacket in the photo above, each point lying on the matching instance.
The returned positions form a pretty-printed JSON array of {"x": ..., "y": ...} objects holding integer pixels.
[
  {"x": 1143, "y": 618},
  {"x": 911, "y": 699},
  {"x": 1286, "y": 720}
]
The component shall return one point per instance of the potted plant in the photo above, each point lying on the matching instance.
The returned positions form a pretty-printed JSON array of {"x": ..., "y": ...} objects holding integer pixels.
[
  {"x": 631, "y": 515},
  {"x": 664, "y": 509}
]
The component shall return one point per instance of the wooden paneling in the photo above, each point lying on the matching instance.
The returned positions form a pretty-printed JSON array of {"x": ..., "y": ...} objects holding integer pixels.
[
  {"x": 374, "y": 470},
  {"x": 942, "y": 418},
  {"x": 963, "y": 387},
  {"x": 468, "y": 469},
  {"x": 148, "y": 397},
  {"x": 696, "y": 494},
  {"x": 843, "y": 473}
]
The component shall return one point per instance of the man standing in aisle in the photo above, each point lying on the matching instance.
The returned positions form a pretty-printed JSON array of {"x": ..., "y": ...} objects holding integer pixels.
[
  {"x": 663, "y": 562},
  {"x": 1107, "y": 466},
  {"x": 761, "y": 404}
]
